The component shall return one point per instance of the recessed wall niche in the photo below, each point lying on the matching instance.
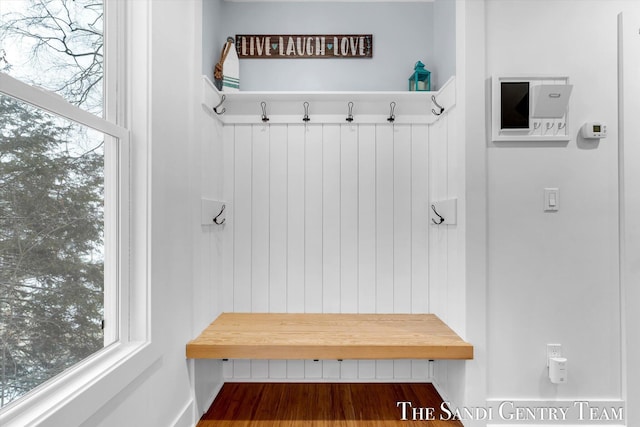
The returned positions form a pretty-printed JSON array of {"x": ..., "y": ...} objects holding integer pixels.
[{"x": 427, "y": 34}]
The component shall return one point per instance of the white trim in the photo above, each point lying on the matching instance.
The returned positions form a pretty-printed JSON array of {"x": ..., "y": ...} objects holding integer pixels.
[
  {"x": 74, "y": 396},
  {"x": 210, "y": 399},
  {"x": 472, "y": 137},
  {"x": 185, "y": 417},
  {"x": 622, "y": 203},
  {"x": 56, "y": 104},
  {"x": 138, "y": 118},
  {"x": 441, "y": 391},
  {"x": 116, "y": 325},
  {"x": 629, "y": 207}
]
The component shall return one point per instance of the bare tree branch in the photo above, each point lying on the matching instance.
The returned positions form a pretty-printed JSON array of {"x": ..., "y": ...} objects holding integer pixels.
[{"x": 51, "y": 29}]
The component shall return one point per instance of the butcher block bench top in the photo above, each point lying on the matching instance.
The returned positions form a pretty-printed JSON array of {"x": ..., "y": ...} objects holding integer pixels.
[{"x": 328, "y": 336}]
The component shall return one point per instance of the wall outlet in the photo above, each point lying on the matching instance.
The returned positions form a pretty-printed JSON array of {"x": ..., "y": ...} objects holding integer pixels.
[{"x": 553, "y": 350}]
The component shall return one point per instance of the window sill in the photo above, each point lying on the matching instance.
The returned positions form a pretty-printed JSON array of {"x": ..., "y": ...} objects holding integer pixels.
[{"x": 72, "y": 397}]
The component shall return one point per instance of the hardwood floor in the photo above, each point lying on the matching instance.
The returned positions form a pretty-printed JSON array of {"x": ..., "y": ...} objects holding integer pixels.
[{"x": 326, "y": 405}]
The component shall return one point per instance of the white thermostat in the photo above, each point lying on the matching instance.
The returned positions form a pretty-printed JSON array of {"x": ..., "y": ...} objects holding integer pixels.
[{"x": 594, "y": 130}]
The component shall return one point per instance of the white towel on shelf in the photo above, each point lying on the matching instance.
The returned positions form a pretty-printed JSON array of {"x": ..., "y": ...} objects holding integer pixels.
[{"x": 231, "y": 71}]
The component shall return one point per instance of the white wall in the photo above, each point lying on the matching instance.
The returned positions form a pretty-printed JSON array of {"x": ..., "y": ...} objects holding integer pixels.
[
  {"x": 553, "y": 277},
  {"x": 402, "y": 35},
  {"x": 470, "y": 387},
  {"x": 212, "y": 38},
  {"x": 443, "y": 65},
  {"x": 182, "y": 259}
]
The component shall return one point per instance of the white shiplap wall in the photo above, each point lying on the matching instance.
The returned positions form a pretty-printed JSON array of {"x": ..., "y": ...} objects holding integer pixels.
[{"x": 327, "y": 218}]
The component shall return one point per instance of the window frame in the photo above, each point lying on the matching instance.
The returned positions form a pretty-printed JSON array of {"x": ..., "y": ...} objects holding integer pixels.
[{"x": 73, "y": 396}]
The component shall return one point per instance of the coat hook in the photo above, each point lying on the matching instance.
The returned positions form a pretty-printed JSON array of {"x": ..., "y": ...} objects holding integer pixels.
[
  {"x": 215, "y": 219},
  {"x": 306, "y": 112},
  {"x": 392, "y": 117},
  {"x": 550, "y": 125},
  {"x": 215, "y": 109},
  {"x": 433, "y": 208},
  {"x": 440, "y": 107},
  {"x": 265, "y": 119},
  {"x": 350, "y": 115}
]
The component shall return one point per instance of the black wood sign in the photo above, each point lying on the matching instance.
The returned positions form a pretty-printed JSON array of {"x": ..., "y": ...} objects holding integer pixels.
[{"x": 282, "y": 46}]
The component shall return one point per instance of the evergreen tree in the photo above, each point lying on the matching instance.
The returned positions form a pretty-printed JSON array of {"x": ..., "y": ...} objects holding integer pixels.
[
  {"x": 51, "y": 262},
  {"x": 51, "y": 197}
]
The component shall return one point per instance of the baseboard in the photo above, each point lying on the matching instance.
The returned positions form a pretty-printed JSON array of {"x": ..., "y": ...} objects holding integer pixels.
[
  {"x": 189, "y": 416},
  {"x": 185, "y": 418},
  {"x": 212, "y": 396}
]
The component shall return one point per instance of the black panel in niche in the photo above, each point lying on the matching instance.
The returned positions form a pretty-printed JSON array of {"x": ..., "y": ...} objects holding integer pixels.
[{"x": 514, "y": 105}]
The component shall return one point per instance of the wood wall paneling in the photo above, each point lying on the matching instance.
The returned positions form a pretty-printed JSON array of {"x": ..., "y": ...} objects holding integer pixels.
[
  {"x": 419, "y": 225},
  {"x": 278, "y": 214},
  {"x": 331, "y": 218},
  {"x": 348, "y": 221},
  {"x": 331, "y": 213},
  {"x": 367, "y": 219},
  {"x": 296, "y": 219},
  {"x": 226, "y": 291},
  {"x": 312, "y": 249}
]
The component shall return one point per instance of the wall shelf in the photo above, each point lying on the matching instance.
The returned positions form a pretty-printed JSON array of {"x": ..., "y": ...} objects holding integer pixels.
[{"x": 327, "y": 107}]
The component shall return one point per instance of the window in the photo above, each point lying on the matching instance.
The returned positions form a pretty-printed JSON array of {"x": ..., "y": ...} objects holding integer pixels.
[
  {"x": 57, "y": 45},
  {"x": 52, "y": 245},
  {"x": 64, "y": 206}
]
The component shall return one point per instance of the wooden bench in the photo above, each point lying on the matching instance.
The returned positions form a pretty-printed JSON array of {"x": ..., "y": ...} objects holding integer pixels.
[{"x": 328, "y": 336}]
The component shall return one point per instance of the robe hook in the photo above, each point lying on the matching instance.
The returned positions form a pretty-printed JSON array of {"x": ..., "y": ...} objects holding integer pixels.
[
  {"x": 215, "y": 219},
  {"x": 350, "y": 115},
  {"x": 433, "y": 208},
  {"x": 265, "y": 119},
  {"x": 440, "y": 107},
  {"x": 306, "y": 112},
  {"x": 215, "y": 109},
  {"x": 392, "y": 116}
]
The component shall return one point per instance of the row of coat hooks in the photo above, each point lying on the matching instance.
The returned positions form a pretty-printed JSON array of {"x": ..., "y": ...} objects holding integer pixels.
[{"x": 306, "y": 118}]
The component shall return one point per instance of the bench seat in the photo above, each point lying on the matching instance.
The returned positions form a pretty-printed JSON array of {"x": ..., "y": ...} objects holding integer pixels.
[{"x": 328, "y": 336}]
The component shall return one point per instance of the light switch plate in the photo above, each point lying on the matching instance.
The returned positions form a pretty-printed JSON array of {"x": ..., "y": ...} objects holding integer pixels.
[{"x": 551, "y": 199}]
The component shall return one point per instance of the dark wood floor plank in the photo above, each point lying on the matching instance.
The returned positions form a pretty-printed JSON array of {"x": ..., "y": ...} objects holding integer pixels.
[{"x": 321, "y": 405}]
